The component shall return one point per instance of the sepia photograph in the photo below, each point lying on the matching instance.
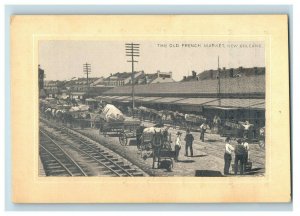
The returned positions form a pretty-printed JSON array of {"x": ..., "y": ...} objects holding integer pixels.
[{"x": 151, "y": 108}]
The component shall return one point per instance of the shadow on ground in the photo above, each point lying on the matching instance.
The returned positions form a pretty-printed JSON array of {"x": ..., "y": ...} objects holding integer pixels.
[
  {"x": 186, "y": 161},
  {"x": 208, "y": 173},
  {"x": 204, "y": 155}
]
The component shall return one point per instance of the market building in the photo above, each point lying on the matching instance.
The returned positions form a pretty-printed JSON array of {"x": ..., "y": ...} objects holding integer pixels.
[{"x": 235, "y": 99}]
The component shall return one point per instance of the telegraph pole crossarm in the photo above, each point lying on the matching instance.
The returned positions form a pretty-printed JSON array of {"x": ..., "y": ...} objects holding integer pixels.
[
  {"x": 87, "y": 70},
  {"x": 132, "y": 50}
]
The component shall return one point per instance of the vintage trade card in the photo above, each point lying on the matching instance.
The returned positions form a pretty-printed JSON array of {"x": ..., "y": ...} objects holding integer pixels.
[{"x": 150, "y": 109}]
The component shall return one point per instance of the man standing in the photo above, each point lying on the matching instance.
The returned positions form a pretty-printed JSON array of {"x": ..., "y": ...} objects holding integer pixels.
[
  {"x": 177, "y": 145},
  {"x": 139, "y": 133},
  {"x": 247, "y": 127},
  {"x": 227, "y": 156},
  {"x": 189, "y": 138},
  {"x": 203, "y": 128},
  {"x": 246, "y": 146},
  {"x": 240, "y": 152}
]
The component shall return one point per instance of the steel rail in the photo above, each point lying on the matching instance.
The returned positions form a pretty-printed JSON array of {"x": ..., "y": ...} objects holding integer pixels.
[
  {"x": 96, "y": 151},
  {"x": 68, "y": 156}
]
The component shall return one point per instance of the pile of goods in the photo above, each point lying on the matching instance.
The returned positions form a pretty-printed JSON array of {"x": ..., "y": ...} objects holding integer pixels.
[
  {"x": 79, "y": 108},
  {"x": 150, "y": 131},
  {"x": 111, "y": 113},
  {"x": 194, "y": 118}
]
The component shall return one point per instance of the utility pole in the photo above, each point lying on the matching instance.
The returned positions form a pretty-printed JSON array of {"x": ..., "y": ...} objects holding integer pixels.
[
  {"x": 133, "y": 51},
  {"x": 87, "y": 70},
  {"x": 219, "y": 83}
]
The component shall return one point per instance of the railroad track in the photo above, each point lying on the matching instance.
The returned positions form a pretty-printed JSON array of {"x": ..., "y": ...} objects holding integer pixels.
[
  {"x": 56, "y": 161},
  {"x": 94, "y": 155}
]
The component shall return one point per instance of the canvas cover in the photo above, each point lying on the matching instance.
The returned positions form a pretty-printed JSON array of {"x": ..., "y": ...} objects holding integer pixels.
[{"x": 111, "y": 113}]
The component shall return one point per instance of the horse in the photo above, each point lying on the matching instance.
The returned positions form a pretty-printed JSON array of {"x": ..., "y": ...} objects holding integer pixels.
[
  {"x": 95, "y": 117},
  {"x": 48, "y": 113},
  {"x": 68, "y": 118},
  {"x": 139, "y": 135},
  {"x": 157, "y": 144}
]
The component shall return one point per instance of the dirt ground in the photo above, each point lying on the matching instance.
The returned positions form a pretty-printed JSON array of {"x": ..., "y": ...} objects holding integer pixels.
[{"x": 208, "y": 155}]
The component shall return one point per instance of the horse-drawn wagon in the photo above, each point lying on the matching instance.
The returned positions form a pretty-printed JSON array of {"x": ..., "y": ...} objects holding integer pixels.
[
  {"x": 156, "y": 142},
  {"x": 193, "y": 121},
  {"x": 112, "y": 120},
  {"x": 231, "y": 129},
  {"x": 124, "y": 129},
  {"x": 240, "y": 130}
]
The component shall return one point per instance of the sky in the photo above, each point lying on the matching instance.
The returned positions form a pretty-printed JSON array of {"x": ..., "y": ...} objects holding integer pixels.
[{"x": 63, "y": 60}]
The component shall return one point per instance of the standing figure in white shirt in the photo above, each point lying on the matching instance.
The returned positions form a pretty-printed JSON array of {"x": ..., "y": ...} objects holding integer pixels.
[
  {"x": 246, "y": 145},
  {"x": 203, "y": 128},
  {"x": 227, "y": 156},
  {"x": 177, "y": 145}
]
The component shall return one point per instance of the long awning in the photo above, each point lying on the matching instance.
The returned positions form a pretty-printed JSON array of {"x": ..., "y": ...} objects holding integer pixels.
[
  {"x": 147, "y": 99},
  {"x": 237, "y": 103},
  {"x": 195, "y": 101},
  {"x": 168, "y": 100},
  {"x": 224, "y": 103},
  {"x": 122, "y": 99},
  {"x": 105, "y": 98}
]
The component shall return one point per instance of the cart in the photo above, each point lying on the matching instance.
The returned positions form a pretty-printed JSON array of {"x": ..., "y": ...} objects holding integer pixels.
[
  {"x": 124, "y": 129},
  {"x": 193, "y": 122},
  {"x": 158, "y": 145},
  {"x": 231, "y": 129},
  {"x": 165, "y": 159}
]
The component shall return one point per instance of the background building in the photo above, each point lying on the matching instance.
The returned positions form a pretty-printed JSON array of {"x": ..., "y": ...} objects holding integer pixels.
[
  {"x": 225, "y": 73},
  {"x": 239, "y": 98},
  {"x": 41, "y": 77}
]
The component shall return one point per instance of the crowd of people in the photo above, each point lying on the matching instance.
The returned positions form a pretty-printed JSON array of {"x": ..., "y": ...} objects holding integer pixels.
[{"x": 240, "y": 150}]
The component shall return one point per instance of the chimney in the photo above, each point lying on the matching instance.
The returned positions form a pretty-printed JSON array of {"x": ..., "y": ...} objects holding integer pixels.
[
  {"x": 184, "y": 77},
  {"x": 194, "y": 74}
]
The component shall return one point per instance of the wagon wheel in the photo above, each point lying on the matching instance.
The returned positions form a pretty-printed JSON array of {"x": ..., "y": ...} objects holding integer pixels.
[
  {"x": 102, "y": 132},
  {"x": 123, "y": 139},
  {"x": 170, "y": 166},
  {"x": 261, "y": 144}
]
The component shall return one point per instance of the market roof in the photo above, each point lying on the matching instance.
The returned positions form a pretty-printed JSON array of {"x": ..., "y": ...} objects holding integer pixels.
[
  {"x": 237, "y": 85},
  {"x": 230, "y": 103}
]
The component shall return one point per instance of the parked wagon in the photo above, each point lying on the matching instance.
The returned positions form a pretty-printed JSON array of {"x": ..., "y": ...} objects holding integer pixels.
[
  {"x": 237, "y": 130},
  {"x": 125, "y": 130},
  {"x": 231, "y": 129},
  {"x": 194, "y": 121},
  {"x": 156, "y": 142}
]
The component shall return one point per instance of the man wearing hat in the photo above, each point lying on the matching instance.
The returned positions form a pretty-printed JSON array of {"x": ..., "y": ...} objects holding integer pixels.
[
  {"x": 240, "y": 153},
  {"x": 203, "y": 128},
  {"x": 189, "y": 138},
  {"x": 177, "y": 145},
  {"x": 227, "y": 155}
]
